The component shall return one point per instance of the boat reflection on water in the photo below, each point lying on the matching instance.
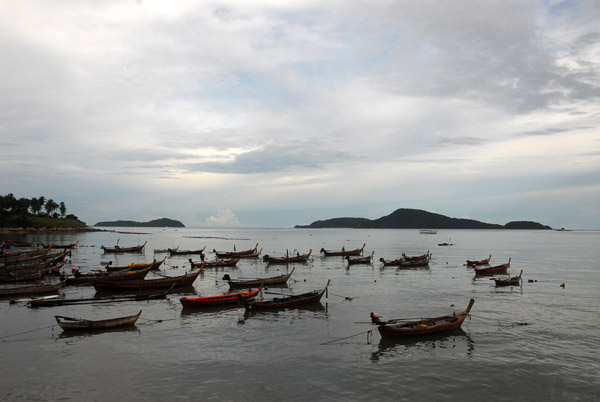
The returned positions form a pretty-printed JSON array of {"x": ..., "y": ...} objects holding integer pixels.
[
  {"x": 394, "y": 347},
  {"x": 90, "y": 333}
]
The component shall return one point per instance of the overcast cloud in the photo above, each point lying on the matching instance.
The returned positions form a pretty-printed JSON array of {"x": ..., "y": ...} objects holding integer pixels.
[{"x": 268, "y": 113}]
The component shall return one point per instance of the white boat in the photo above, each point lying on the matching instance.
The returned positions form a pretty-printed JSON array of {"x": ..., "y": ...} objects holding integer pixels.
[{"x": 428, "y": 231}]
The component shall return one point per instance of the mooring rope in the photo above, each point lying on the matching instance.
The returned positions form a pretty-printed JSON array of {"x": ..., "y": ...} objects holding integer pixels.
[
  {"x": 26, "y": 332},
  {"x": 346, "y": 337}
]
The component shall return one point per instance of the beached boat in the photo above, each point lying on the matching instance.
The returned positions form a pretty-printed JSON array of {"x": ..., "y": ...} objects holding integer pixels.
[
  {"x": 89, "y": 278},
  {"x": 343, "y": 252},
  {"x": 360, "y": 260},
  {"x": 288, "y": 259},
  {"x": 80, "y": 324},
  {"x": 118, "y": 249},
  {"x": 491, "y": 271},
  {"x": 173, "y": 251},
  {"x": 234, "y": 253},
  {"x": 214, "y": 264},
  {"x": 472, "y": 263},
  {"x": 512, "y": 281},
  {"x": 30, "y": 290},
  {"x": 29, "y": 276},
  {"x": 220, "y": 300},
  {"x": 8, "y": 258},
  {"x": 282, "y": 302},
  {"x": 248, "y": 283},
  {"x": 141, "y": 284},
  {"x": 423, "y": 326}
]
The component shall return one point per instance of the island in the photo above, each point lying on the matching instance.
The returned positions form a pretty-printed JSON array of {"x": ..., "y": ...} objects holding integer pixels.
[
  {"x": 156, "y": 223},
  {"x": 406, "y": 218}
]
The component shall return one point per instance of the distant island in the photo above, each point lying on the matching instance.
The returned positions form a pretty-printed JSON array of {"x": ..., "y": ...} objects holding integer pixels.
[
  {"x": 156, "y": 223},
  {"x": 405, "y": 218}
]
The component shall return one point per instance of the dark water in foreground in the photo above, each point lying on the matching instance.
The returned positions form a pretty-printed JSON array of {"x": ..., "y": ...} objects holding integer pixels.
[{"x": 326, "y": 352}]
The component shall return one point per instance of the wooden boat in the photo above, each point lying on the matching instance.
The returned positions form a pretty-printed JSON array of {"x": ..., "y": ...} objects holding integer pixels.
[
  {"x": 414, "y": 263},
  {"x": 391, "y": 263},
  {"x": 423, "y": 326},
  {"x": 135, "y": 266},
  {"x": 280, "y": 303},
  {"x": 44, "y": 302},
  {"x": 234, "y": 254},
  {"x": 512, "y": 281},
  {"x": 119, "y": 250},
  {"x": 287, "y": 260},
  {"x": 472, "y": 263},
  {"x": 248, "y": 283},
  {"x": 23, "y": 257},
  {"x": 215, "y": 264},
  {"x": 164, "y": 250},
  {"x": 217, "y": 301},
  {"x": 185, "y": 252},
  {"x": 63, "y": 246},
  {"x": 91, "y": 277},
  {"x": 490, "y": 271},
  {"x": 20, "y": 277},
  {"x": 250, "y": 255},
  {"x": 80, "y": 324},
  {"x": 30, "y": 290},
  {"x": 427, "y": 255},
  {"x": 360, "y": 260},
  {"x": 141, "y": 284},
  {"x": 343, "y": 252}
]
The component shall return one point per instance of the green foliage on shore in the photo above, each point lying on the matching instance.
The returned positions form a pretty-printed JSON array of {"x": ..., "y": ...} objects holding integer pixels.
[{"x": 35, "y": 213}]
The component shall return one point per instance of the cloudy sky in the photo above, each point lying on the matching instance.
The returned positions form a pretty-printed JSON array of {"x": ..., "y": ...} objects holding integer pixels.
[{"x": 277, "y": 113}]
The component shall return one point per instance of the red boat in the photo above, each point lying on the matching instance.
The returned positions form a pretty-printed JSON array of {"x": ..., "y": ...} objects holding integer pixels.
[
  {"x": 424, "y": 326},
  {"x": 217, "y": 301},
  {"x": 491, "y": 271},
  {"x": 280, "y": 303}
]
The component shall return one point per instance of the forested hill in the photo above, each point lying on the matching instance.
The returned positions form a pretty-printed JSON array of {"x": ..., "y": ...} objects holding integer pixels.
[
  {"x": 405, "y": 218},
  {"x": 156, "y": 223}
]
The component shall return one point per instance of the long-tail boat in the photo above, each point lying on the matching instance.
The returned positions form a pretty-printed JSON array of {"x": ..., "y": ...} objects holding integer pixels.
[
  {"x": 248, "y": 283},
  {"x": 491, "y": 271},
  {"x": 91, "y": 277},
  {"x": 135, "y": 266},
  {"x": 63, "y": 246},
  {"x": 391, "y": 263},
  {"x": 176, "y": 251},
  {"x": 279, "y": 303},
  {"x": 234, "y": 254},
  {"x": 250, "y": 255},
  {"x": 119, "y": 250},
  {"x": 214, "y": 264},
  {"x": 220, "y": 300},
  {"x": 414, "y": 263},
  {"x": 360, "y": 260},
  {"x": 23, "y": 257},
  {"x": 159, "y": 283},
  {"x": 512, "y": 281},
  {"x": 288, "y": 259},
  {"x": 343, "y": 252},
  {"x": 474, "y": 263},
  {"x": 80, "y": 324},
  {"x": 427, "y": 255},
  {"x": 31, "y": 290},
  {"x": 423, "y": 326}
]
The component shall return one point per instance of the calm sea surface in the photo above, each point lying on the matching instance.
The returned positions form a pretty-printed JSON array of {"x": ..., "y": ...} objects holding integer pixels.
[{"x": 537, "y": 342}]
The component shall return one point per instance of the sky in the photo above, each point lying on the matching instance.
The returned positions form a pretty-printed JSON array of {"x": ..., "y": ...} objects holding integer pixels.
[{"x": 281, "y": 113}]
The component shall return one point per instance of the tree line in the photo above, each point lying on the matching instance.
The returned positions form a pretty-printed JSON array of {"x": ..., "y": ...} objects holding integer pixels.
[{"x": 42, "y": 206}]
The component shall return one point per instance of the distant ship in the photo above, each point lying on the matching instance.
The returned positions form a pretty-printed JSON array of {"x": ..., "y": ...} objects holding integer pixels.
[{"x": 428, "y": 231}]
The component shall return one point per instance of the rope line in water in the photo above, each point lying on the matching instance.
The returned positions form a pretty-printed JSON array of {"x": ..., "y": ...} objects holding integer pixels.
[
  {"x": 346, "y": 337},
  {"x": 26, "y": 332},
  {"x": 506, "y": 322}
]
